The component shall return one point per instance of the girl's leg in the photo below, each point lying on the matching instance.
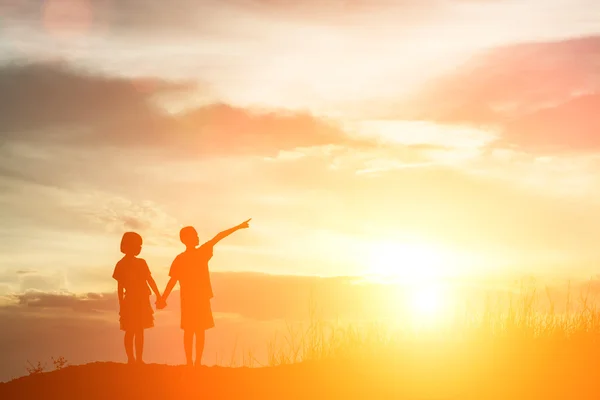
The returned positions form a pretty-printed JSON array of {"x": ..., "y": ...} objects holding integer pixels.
[
  {"x": 139, "y": 346},
  {"x": 199, "y": 346},
  {"x": 129, "y": 346},
  {"x": 188, "y": 344}
]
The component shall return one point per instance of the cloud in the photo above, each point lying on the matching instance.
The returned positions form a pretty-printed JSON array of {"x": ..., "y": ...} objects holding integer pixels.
[
  {"x": 58, "y": 17},
  {"x": 348, "y": 11},
  {"x": 42, "y": 282},
  {"x": 70, "y": 210},
  {"x": 572, "y": 126},
  {"x": 237, "y": 295},
  {"x": 224, "y": 130},
  {"x": 203, "y": 16},
  {"x": 119, "y": 214},
  {"x": 21, "y": 280},
  {"x": 541, "y": 96},
  {"x": 90, "y": 302},
  {"x": 55, "y": 104},
  {"x": 25, "y": 272},
  {"x": 4, "y": 289},
  {"x": 48, "y": 96},
  {"x": 282, "y": 297},
  {"x": 515, "y": 79}
]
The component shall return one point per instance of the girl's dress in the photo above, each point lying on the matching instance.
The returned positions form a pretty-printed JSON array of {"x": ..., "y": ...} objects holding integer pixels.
[{"x": 136, "y": 312}]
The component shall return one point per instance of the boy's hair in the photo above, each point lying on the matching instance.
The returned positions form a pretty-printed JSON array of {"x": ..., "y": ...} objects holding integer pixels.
[
  {"x": 130, "y": 242},
  {"x": 186, "y": 233}
]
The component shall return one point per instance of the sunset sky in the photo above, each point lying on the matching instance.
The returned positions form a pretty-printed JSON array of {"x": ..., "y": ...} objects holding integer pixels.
[{"x": 454, "y": 137}]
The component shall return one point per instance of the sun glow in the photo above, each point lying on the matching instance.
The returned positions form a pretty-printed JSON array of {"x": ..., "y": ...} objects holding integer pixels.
[
  {"x": 426, "y": 300},
  {"x": 407, "y": 263},
  {"x": 426, "y": 305},
  {"x": 418, "y": 269}
]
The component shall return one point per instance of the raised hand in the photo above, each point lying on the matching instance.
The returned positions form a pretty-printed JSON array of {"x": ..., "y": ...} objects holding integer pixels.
[{"x": 244, "y": 224}]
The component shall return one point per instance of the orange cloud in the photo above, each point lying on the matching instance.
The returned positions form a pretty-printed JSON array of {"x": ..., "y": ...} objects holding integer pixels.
[
  {"x": 54, "y": 104},
  {"x": 541, "y": 97}
]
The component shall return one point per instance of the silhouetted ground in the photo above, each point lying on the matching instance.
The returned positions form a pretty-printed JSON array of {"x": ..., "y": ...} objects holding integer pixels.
[{"x": 479, "y": 378}]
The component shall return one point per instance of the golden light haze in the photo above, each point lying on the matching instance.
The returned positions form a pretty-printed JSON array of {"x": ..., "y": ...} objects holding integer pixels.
[{"x": 422, "y": 144}]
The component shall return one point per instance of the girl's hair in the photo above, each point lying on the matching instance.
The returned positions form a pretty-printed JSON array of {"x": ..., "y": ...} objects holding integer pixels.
[{"x": 131, "y": 242}]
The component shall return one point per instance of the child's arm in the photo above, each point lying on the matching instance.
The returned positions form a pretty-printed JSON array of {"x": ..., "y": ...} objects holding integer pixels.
[
  {"x": 169, "y": 288},
  {"x": 120, "y": 292},
  {"x": 228, "y": 232},
  {"x": 154, "y": 288},
  {"x": 117, "y": 275},
  {"x": 174, "y": 273}
]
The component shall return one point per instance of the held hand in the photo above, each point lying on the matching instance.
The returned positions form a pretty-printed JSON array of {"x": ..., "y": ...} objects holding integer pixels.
[
  {"x": 244, "y": 224},
  {"x": 160, "y": 304}
]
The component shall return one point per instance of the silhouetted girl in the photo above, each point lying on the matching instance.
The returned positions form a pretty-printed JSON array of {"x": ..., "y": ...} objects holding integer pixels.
[{"x": 133, "y": 277}]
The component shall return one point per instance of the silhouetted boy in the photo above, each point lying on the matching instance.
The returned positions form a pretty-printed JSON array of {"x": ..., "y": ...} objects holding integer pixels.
[
  {"x": 190, "y": 268},
  {"x": 136, "y": 313}
]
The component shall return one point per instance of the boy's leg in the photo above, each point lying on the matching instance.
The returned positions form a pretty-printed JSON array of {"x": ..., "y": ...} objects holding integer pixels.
[
  {"x": 188, "y": 344},
  {"x": 199, "y": 346},
  {"x": 139, "y": 346},
  {"x": 128, "y": 341}
]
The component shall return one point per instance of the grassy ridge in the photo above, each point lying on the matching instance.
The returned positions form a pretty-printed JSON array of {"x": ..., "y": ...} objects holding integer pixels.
[
  {"x": 525, "y": 320},
  {"x": 518, "y": 349}
]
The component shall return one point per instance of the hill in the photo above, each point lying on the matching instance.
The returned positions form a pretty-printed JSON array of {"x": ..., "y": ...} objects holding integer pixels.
[
  {"x": 120, "y": 381},
  {"x": 434, "y": 378}
]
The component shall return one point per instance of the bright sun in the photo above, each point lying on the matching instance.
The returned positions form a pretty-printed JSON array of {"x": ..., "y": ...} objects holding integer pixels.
[
  {"x": 426, "y": 303},
  {"x": 417, "y": 268}
]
